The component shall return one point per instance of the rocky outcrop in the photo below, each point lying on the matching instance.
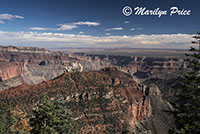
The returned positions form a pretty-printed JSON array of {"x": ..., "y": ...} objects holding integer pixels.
[
  {"x": 169, "y": 84},
  {"x": 33, "y": 65},
  {"x": 160, "y": 121},
  {"x": 105, "y": 101},
  {"x": 74, "y": 67},
  {"x": 165, "y": 72},
  {"x": 139, "y": 111},
  {"x": 108, "y": 99}
]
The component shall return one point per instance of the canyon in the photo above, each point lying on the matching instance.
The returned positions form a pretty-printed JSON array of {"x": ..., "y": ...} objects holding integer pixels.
[
  {"x": 37, "y": 65},
  {"x": 107, "y": 93},
  {"x": 109, "y": 98}
]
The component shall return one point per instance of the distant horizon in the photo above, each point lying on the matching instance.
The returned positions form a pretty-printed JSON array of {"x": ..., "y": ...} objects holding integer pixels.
[
  {"x": 109, "y": 48},
  {"x": 98, "y": 24},
  {"x": 125, "y": 48}
]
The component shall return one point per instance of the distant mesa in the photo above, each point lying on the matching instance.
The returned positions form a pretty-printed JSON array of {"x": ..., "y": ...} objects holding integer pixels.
[{"x": 23, "y": 49}]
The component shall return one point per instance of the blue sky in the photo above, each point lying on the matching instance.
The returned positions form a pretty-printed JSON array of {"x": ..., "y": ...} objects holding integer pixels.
[{"x": 96, "y": 23}]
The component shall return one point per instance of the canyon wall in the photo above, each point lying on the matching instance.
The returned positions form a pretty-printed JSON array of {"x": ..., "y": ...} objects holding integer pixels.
[
  {"x": 108, "y": 98},
  {"x": 141, "y": 65},
  {"x": 34, "y": 65}
]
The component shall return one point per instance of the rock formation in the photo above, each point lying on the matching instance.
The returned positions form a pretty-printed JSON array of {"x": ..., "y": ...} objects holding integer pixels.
[
  {"x": 143, "y": 65},
  {"x": 74, "y": 67},
  {"x": 108, "y": 98},
  {"x": 34, "y": 65}
]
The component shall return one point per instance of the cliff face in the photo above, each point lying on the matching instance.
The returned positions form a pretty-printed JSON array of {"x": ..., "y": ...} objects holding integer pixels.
[
  {"x": 144, "y": 65},
  {"x": 105, "y": 101},
  {"x": 108, "y": 98},
  {"x": 34, "y": 65},
  {"x": 14, "y": 59},
  {"x": 28, "y": 65},
  {"x": 27, "y": 59},
  {"x": 9, "y": 70},
  {"x": 164, "y": 72}
]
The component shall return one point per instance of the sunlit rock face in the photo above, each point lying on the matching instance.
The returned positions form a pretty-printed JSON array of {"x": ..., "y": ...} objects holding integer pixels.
[
  {"x": 74, "y": 67},
  {"x": 9, "y": 70},
  {"x": 29, "y": 65},
  {"x": 144, "y": 66},
  {"x": 101, "y": 92},
  {"x": 164, "y": 72},
  {"x": 108, "y": 98}
]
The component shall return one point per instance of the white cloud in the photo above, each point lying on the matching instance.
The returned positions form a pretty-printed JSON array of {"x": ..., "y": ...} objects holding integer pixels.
[
  {"x": 81, "y": 32},
  {"x": 9, "y": 17},
  {"x": 108, "y": 34},
  {"x": 88, "y": 23},
  {"x": 50, "y": 40},
  {"x": 61, "y": 27},
  {"x": 126, "y": 22},
  {"x": 132, "y": 29},
  {"x": 18, "y": 17},
  {"x": 115, "y": 29},
  {"x": 150, "y": 42},
  {"x": 140, "y": 28},
  {"x": 38, "y": 28},
  {"x": 68, "y": 26}
]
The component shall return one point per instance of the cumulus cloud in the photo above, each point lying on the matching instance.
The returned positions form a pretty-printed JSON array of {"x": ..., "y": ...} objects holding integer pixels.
[
  {"x": 88, "y": 23},
  {"x": 52, "y": 40},
  {"x": 9, "y": 17},
  {"x": 114, "y": 29},
  {"x": 67, "y": 26},
  {"x": 132, "y": 29}
]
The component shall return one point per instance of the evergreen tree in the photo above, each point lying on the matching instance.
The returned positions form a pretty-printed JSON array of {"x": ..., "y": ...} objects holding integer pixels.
[
  {"x": 65, "y": 123},
  {"x": 52, "y": 117},
  {"x": 187, "y": 106},
  {"x": 6, "y": 118}
]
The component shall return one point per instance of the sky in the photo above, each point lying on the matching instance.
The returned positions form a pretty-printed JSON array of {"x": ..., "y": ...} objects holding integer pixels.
[{"x": 99, "y": 23}]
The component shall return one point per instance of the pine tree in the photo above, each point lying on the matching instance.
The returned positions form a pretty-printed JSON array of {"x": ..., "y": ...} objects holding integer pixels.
[
  {"x": 65, "y": 123},
  {"x": 43, "y": 118},
  {"x": 6, "y": 118},
  {"x": 52, "y": 117},
  {"x": 187, "y": 106}
]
